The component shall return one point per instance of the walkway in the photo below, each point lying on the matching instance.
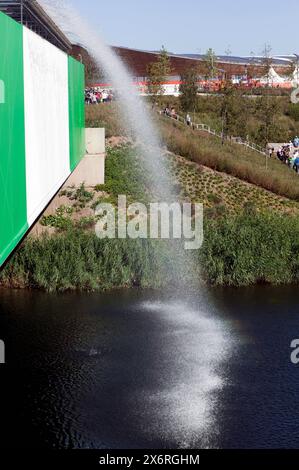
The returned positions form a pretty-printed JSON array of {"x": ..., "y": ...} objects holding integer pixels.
[{"x": 209, "y": 130}]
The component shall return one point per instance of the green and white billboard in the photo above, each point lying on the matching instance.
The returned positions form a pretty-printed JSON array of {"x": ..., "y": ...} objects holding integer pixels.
[{"x": 41, "y": 126}]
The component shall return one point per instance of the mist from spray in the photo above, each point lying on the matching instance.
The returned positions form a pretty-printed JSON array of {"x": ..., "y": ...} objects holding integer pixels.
[
  {"x": 203, "y": 341},
  {"x": 137, "y": 119}
]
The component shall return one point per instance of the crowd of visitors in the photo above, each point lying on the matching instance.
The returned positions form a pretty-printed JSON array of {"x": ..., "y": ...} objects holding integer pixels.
[
  {"x": 170, "y": 112},
  {"x": 98, "y": 95},
  {"x": 289, "y": 154}
]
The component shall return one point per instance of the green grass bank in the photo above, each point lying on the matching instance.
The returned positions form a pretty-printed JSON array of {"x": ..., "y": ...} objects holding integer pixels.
[{"x": 245, "y": 242}]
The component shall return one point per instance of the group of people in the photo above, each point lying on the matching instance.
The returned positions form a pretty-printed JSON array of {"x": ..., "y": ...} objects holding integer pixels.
[
  {"x": 97, "y": 95},
  {"x": 170, "y": 112},
  {"x": 289, "y": 154}
]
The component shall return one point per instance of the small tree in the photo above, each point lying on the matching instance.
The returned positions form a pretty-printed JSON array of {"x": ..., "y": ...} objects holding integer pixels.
[
  {"x": 157, "y": 73},
  {"x": 253, "y": 70},
  {"x": 228, "y": 53},
  {"x": 267, "y": 62},
  {"x": 189, "y": 90},
  {"x": 267, "y": 109},
  {"x": 210, "y": 64},
  {"x": 233, "y": 112}
]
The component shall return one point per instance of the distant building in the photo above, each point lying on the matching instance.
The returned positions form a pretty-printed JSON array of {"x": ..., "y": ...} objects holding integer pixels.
[
  {"x": 243, "y": 71},
  {"x": 138, "y": 60}
]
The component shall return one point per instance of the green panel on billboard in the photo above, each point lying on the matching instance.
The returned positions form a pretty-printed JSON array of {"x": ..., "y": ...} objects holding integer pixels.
[
  {"x": 76, "y": 112},
  {"x": 13, "y": 213}
]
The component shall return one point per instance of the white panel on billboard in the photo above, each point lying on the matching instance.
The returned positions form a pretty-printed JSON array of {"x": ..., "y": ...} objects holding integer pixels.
[{"x": 46, "y": 121}]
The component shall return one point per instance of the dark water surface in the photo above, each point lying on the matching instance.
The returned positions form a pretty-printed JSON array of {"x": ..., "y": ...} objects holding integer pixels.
[{"x": 132, "y": 369}]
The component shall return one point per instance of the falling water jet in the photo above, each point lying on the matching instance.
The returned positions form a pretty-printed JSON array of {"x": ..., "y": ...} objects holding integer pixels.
[
  {"x": 186, "y": 403},
  {"x": 137, "y": 119},
  {"x": 133, "y": 110}
]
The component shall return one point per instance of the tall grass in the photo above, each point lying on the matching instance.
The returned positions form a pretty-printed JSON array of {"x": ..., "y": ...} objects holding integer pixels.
[
  {"x": 105, "y": 115},
  {"x": 251, "y": 248},
  {"x": 239, "y": 250},
  {"x": 77, "y": 260}
]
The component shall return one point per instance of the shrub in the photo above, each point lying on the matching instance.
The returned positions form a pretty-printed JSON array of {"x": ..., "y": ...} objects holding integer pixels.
[{"x": 61, "y": 220}]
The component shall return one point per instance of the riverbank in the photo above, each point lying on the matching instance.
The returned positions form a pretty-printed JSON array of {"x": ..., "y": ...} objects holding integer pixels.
[
  {"x": 250, "y": 234},
  {"x": 241, "y": 250}
]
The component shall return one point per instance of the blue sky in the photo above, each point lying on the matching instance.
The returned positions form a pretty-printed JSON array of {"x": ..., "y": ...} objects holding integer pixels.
[{"x": 195, "y": 25}]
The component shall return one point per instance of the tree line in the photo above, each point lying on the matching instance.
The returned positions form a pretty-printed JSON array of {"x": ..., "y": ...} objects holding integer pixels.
[{"x": 234, "y": 109}]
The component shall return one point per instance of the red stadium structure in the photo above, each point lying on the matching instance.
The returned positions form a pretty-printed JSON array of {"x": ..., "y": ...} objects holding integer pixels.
[{"x": 246, "y": 72}]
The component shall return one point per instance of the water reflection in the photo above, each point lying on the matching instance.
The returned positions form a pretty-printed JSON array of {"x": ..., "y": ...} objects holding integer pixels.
[{"x": 135, "y": 369}]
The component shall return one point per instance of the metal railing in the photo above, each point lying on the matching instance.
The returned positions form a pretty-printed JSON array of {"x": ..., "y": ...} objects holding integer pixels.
[{"x": 209, "y": 130}]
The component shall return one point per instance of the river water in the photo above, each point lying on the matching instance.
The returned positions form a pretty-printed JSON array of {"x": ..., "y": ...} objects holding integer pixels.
[{"x": 133, "y": 369}]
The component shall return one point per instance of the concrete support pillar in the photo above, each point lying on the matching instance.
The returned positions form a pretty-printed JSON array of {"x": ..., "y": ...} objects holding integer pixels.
[{"x": 91, "y": 169}]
